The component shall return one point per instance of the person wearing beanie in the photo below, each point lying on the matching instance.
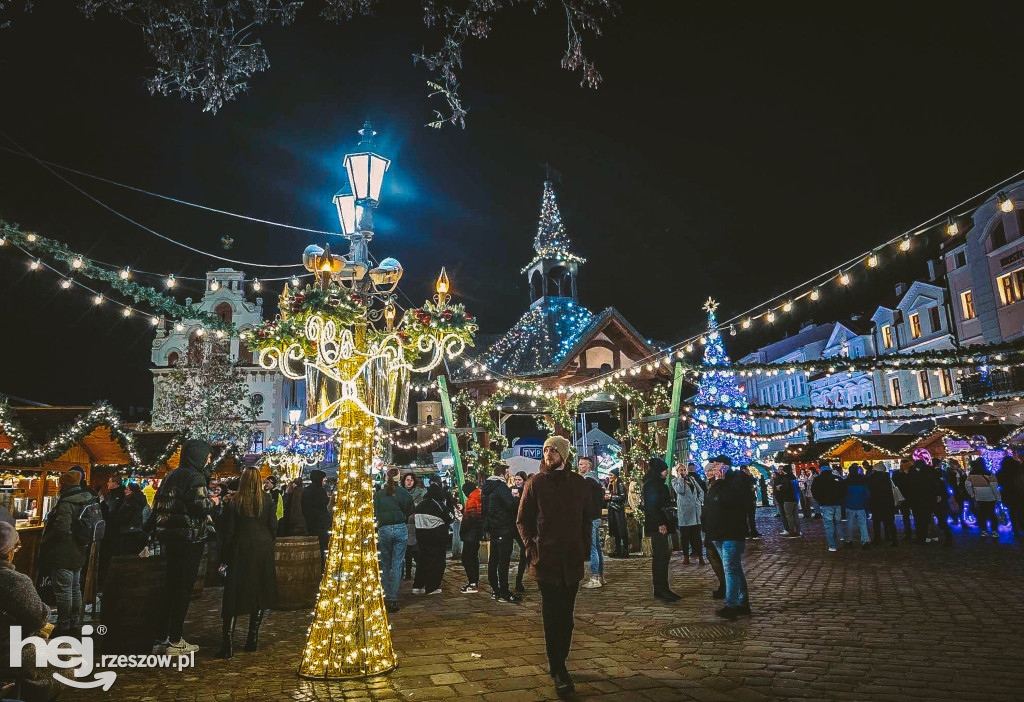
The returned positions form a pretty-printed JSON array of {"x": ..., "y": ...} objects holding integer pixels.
[
  {"x": 725, "y": 520},
  {"x": 658, "y": 523},
  {"x": 183, "y": 518},
  {"x": 63, "y": 555},
  {"x": 471, "y": 532},
  {"x": 556, "y": 513},
  {"x": 829, "y": 490},
  {"x": 315, "y": 512}
]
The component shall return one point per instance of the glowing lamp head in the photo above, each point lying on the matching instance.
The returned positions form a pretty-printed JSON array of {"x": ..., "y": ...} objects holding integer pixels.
[
  {"x": 366, "y": 174},
  {"x": 97, "y": 300},
  {"x": 872, "y": 261},
  {"x": 127, "y": 312},
  {"x": 171, "y": 281},
  {"x": 65, "y": 283},
  {"x": 815, "y": 295},
  {"x": 770, "y": 317},
  {"x": 844, "y": 278},
  {"x": 1005, "y": 203},
  {"x": 34, "y": 265},
  {"x": 746, "y": 323},
  {"x": 346, "y": 204},
  {"x": 788, "y": 307},
  {"x": 256, "y": 285},
  {"x": 905, "y": 244},
  {"x": 951, "y": 227},
  {"x": 294, "y": 415}
]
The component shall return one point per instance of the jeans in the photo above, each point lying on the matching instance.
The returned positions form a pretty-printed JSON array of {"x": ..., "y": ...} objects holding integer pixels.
[
  {"x": 68, "y": 591},
  {"x": 456, "y": 539},
  {"x": 558, "y": 601},
  {"x": 182, "y": 568},
  {"x": 857, "y": 522},
  {"x": 715, "y": 559},
  {"x": 391, "y": 542},
  {"x": 830, "y": 520},
  {"x": 596, "y": 550},
  {"x": 792, "y": 516},
  {"x": 690, "y": 540},
  {"x": 471, "y": 561},
  {"x": 660, "y": 554},
  {"x": 736, "y": 594},
  {"x": 498, "y": 563}
]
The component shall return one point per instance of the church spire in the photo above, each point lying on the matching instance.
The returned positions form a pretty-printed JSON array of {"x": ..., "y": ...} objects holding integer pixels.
[{"x": 551, "y": 242}]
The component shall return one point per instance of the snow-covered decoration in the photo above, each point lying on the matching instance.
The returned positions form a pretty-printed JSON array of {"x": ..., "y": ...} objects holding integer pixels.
[
  {"x": 552, "y": 241},
  {"x": 710, "y": 436},
  {"x": 540, "y": 340}
]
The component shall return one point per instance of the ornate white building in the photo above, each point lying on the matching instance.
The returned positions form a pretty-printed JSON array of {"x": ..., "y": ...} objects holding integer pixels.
[{"x": 225, "y": 297}]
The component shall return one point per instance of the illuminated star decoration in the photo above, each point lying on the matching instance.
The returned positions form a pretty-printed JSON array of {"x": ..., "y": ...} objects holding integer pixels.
[{"x": 711, "y": 306}]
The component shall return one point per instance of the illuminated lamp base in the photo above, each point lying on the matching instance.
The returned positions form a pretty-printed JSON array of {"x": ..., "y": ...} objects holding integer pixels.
[{"x": 350, "y": 636}]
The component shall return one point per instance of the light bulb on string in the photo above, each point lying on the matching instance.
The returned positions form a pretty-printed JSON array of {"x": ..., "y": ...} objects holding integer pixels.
[
  {"x": 844, "y": 278},
  {"x": 746, "y": 323},
  {"x": 171, "y": 281},
  {"x": 34, "y": 265},
  {"x": 154, "y": 321},
  {"x": 1005, "y": 203},
  {"x": 905, "y": 244},
  {"x": 179, "y": 327},
  {"x": 31, "y": 237},
  {"x": 214, "y": 286},
  {"x": 256, "y": 285},
  {"x": 65, "y": 283},
  {"x": 769, "y": 316},
  {"x": 951, "y": 227},
  {"x": 125, "y": 273},
  {"x": 872, "y": 261},
  {"x": 77, "y": 262},
  {"x": 815, "y": 295},
  {"x": 295, "y": 281},
  {"x": 788, "y": 307},
  {"x": 127, "y": 312},
  {"x": 97, "y": 300}
]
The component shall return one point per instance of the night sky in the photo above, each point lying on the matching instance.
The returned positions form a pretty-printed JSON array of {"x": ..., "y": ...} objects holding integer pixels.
[{"x": 732, "y": 151}]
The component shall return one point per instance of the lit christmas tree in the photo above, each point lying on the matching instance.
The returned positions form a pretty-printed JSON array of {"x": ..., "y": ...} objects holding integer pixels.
[
  {"x": 710, "y": 429},
  {"x": 552, "y": 241}
]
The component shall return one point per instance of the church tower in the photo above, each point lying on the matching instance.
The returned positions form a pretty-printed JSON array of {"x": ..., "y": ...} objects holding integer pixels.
[{"x": 553, "y": 270}]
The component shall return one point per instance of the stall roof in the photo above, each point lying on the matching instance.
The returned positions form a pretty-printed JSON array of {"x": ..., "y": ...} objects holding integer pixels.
[
  {"x": 54, "y": 438},
  {"x": 873, "y": 447}
]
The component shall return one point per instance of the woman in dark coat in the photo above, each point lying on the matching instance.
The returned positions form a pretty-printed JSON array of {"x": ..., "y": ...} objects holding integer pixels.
[
  {"x": 617, "y": 528},
  {"x": 882, "y": 504},
  {"x": 432, "y": 520},
  {"x": 131, "y": 519},
  {"x": 246, "y": 532},
  {"x": 658, "y": 525}
]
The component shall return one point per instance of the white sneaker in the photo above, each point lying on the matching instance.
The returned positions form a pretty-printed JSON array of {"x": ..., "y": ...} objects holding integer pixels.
[
  {"x": 592, "y": 583},
  {"x": 783, "y": 533},
  {"x": 603, "y": 581},
  {"x": 181, "y": 647},
  {"x": 418, "y": 591},
  {"x": 436, "y": 592},
  {"x": 832, "y": 548}
]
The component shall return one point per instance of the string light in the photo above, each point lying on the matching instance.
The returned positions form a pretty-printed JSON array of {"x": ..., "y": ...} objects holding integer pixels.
[
  {"x": 951, "y": 227},
  {"x": 872, "y": 261},
  {"x": 214, "y": 286},
  {"x": 769, "y": 317},
  {"x": 905, "y": 244},
  {"x": 844, "y": 278},
  {"x": 200, "y": 331},
  {"x": 97, "y": 300},
  {"x": 1005, "y": 203},
  {"x": 125, "y": 273},
  {"x": 34, "y": 265},
  {"x": 295, "y": 281},
  {"x": 179, "y": 327},
  {"x": 256, "y": 285},
  {"x": 154, "y": 321},
  {"x": 65, "y": 283},
  {"x": 815, "y": 295},
  {"x": 171, "y": 281},
  {"x": 77, "y": 262},
  {"x": 127, "y": 312},
  {"x": 31, "y": 237},
  {"x": 788, "y": 307}
]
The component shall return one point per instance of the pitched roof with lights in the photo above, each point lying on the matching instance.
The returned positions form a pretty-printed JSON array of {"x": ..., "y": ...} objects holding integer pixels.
[{"x": 540, "y": 340}]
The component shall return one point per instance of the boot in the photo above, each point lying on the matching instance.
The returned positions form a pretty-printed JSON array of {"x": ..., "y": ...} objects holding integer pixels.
[
  {"x": 700, "y": 561},
  {"x": 686, "y": 560},
  {"x": 227, "y": 638},
  {"x": 253, "y": 638}
]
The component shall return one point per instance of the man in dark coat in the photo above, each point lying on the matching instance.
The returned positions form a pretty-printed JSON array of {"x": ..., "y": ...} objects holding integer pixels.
[
  {"x": 725, "y": 518},
  {"x": 63, "y": 556},
  {"x": 901, "y": 479},
  {"x": 829, "y": 491},
  {"x": 1011, "y": 484},
  {"x": 315, "y": 512},
  {"x": 183, "y": 518},
  {"x": 111, "y": 505},
  {"x": 555, "y": 517},
  {"x": 499, "y": 521},
  {"x": 657, "y": 525},
  {"x": 883, "y": 506}
]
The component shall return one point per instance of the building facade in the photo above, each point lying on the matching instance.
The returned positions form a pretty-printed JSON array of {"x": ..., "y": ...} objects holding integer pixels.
[{"x": 225, "y": 297}]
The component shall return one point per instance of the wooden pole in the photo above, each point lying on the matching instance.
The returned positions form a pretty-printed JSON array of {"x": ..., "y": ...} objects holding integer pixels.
[
  {"x": 453, "y": 438},
  {"x": 673, "y": 420}
]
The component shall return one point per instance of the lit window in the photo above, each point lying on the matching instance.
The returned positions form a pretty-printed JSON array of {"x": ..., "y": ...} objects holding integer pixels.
[
  {"x": 946, "y": 381},
  {"x": 923, "y": 385},
  {"x": 1008, "y": 292},
  {"x": 887, "y": 336},
  {"x": 894, "y": 390},
  {"x": 967, "y": 304},
  {"x": 915, "y": 326}
]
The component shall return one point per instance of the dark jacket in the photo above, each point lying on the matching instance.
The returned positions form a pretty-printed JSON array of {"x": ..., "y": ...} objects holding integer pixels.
[
  {"x": 182, "y": 508},
  {"x": 129, "y": 516},
  {"x": 556, "y": 515},
  {"x": 725, "y": 508},
  {"x": 392, "y": 509},
  {"x": 434, "y": 505},
  {"x": 314, "y": 505},
  {"x": 858, "y": 494},
  {"x": 828, "y": 489},
  {"x": 656, "y": 498},
  {"x": 902, "y": 481},
  {"x": 1011, "y": 480},
  {"x": 498, "y": 507},
  {"x": 881, "y": 499},
  {"x": 20, "y": 606},
  {"x": 111, "y": 509},
  {"x": 596, "y": 492},
  {"x": 59, "y": 548},
  {"x": 924, "y": 484},
  {"x": 246, "y": 545},
  {"x": 786, "y": 488}
]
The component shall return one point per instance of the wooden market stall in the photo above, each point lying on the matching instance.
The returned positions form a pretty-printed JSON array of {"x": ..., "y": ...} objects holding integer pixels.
[{"x": 858, "y": 448}]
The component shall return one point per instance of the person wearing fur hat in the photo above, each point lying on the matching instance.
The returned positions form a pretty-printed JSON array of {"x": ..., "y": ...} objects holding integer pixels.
[
  {"x": 556, "y": 514},
  {"x": 315, "y": 512}
]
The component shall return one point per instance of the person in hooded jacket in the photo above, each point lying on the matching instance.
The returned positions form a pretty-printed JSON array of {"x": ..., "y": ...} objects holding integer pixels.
[
  {"x": 183, "y": 520},
  {"x": 432, "y": 520},
  {"x": 110, "y": 507},
  {"x": 316, "y": 512},
  {"x": 658, "y": 524},
  {"x": 472, "y": 533},
  {"x": 498, "y": 509},
  {"x": 248, "y": 529},
  {"x": 883, "y": 505},
  {"x": 63, "y": 556}
]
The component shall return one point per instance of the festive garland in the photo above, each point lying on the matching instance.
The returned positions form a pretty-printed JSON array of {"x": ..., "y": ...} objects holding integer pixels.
[
  {"x": 432, "y": 318},
  {"x": 83, "y": 266},
  {"x": 754, "y": 434},
  {"x": 480, "y": 414},
  {"x": 289, "y": 328}
]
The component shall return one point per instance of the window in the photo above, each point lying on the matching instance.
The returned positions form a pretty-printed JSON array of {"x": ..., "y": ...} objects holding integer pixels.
[
  {"x": 256, "y": 443},
  {"x": 998, "y": 237},
  {"x": 887, "y": 336},
  {"x": 257, "y": 399},
  {"x": 967, "y": 304},
  {"x": 915, "y": 326},
  {"x": 894, "y": 390},
  {"x": 223, "y": 310},
  {"x": 934, "y": 318},
  {"x": 923, "y": 385},
  {"x": 946, "y": 381},
  {"x": 959, "y": 259},
  {"x": 1011, "y": 286},
  {"x": 172, "y": 358}
]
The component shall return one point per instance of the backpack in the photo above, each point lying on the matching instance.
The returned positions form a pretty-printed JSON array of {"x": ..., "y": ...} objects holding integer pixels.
[{"x": 88, "y": 526}]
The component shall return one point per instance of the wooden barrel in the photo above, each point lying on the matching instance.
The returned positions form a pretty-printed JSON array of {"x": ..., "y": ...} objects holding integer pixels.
[
  {"x": 200, "y": 581},
  {"x": 297, "y": 564},
  {"x": 131, "y": 598}
]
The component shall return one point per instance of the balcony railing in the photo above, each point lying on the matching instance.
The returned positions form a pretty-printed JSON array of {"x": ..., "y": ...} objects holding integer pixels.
[{"x": 995, "y": 383}]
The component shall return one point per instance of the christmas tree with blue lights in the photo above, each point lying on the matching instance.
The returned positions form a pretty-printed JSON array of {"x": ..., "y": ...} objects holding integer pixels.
[{"x": 717, "y": 393}]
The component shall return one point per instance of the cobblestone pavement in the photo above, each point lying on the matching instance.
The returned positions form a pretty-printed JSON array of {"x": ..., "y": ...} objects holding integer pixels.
[{"x": 886, "y": 624}]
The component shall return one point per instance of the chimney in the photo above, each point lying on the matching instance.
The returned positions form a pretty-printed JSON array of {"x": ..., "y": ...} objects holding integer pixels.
[
  {"x": 935, "y": 270},
  {"x": 593, "y": 425},
  {"x": 901, "y": 288}
]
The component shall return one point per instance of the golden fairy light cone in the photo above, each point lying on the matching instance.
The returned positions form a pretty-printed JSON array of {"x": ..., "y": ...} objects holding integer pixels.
[{"x": 350, "y": 636}]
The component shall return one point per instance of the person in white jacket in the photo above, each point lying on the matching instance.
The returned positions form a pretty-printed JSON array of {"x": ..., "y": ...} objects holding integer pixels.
[{"x": 689, "y": 502}]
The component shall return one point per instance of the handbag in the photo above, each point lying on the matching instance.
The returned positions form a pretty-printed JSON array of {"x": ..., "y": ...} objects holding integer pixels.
[
  {"x": 44, "y": 588},
  {"x": 671, "y": 516},
  {"x": 897, "y": 496}
]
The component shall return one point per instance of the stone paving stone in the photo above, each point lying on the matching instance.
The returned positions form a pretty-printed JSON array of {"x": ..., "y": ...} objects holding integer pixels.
[{"x": 888, "y": 624}]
